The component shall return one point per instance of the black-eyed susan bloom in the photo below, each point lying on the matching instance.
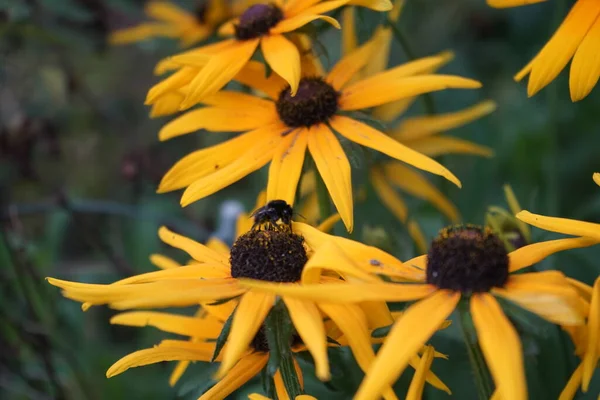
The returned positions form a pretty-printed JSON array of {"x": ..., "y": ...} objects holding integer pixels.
[
  {"x": 281, "y": 128},
  {"x": 576, "y": 39},
  {"x": 172, "y": 21},
  {"x": 463, "y": 262},
  {"x": 264, "y": 24}
]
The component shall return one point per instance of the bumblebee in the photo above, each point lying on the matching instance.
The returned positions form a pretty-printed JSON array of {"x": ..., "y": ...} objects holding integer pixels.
[{"x": 272, "y": 212}]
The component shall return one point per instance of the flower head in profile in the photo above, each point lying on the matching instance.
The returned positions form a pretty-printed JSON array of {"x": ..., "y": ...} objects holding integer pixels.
[
  {"x": 207, "y": 69},
  {"x": 588, "y": 337},
  {"x": 281, "y": 128},
  {"x": 575, "y": 40},
  {"x": 464, "y": 262},
  {"x": 169, "y": 20}
]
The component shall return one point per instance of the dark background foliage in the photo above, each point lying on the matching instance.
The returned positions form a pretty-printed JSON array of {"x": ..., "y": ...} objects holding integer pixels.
[{"x": 80, "y": 161}]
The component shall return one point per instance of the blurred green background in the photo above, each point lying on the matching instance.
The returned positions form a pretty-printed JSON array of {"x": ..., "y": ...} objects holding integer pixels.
[{"x": 80, "y": 161}]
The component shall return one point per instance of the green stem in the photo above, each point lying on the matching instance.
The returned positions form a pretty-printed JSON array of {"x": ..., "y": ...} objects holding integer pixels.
[
  {"x": 482, "y": 376},
  {"x": 428, "y": 102}
]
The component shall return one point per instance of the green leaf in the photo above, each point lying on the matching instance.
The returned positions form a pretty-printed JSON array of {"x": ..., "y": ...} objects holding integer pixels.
[
  {"x": 223, "y": 336},
  {"x": 381, "y": 332}
]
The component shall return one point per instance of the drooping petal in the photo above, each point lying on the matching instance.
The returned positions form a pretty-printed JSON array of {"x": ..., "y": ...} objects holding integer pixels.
[
  {"x": 218, "y": 71},
  {"x": 253, "y": 159},
  {"x": 548, "y": 63},
  {"x": 206, "y": 161},
  {"x": 440, "y": 145},
  {"x": 408, "y": 335},
  {"x": 343, "y": 292},
  {"x": 388, "y": 196},
  {"x": 348, "y": 66},
  {"x": 415, "y": 390},
  {"x": 172, "y": 323},
  {"x": 286, "y": 167},
  {"x": 214, "y": 119},
  {"x": 334, "y": 168},
  {"x": 283, "y": 57},
  {"x": 247, "y": 368},
  {"x": 309, "y": 325},
  {"x": 528, "y": 255},
  {"x": 298, "y": 21},
  {"x": 561, "y": 225},
  {"x": 585, "y": 67},
  {"x": 592, "y": 352},
  {"x": 414, "y": 183},
  {"x": 199, "y": 271},
  {"x": 349, "y": 36},
  {"x": 547, "y": 294},
  {"x": 175, "y": 350},
  {"x": 572, "y": 385},
  {"x": 363, "y": 134},
  {"x": 249, "y": 316},
  {"x": 379, "y": 91},
  {"x": 501, "y": 346},
  {"x": 197, "y": 251}
]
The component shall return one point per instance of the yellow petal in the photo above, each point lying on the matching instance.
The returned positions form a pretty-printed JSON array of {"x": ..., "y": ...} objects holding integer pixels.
[
  {"x": 200, "y": 271},
  {"x": 171, "y": 84},
  {"x": 309, "y": 325},
  {"x": 343, "y": 292},
  {"x": 585, "y": 67},
  {"x": 247, "y": 368},
  {"x": 596, "y": 178},
  {"x": 415, "y": 390},
  {"x": 555, "y": 301},
  {"x": 253, "y": 159},
  {"x": 254, "y": 75},
  {"x": 429, "y": 376},
  {"x": 592, "y": 353},
  {"x": 247, "y": 320},
  {"x": 298, "y": 21},
  {"x": 505, "y": 361},
  {"x": 388, "y": 196},
  {"x": 561, "y": 225},
  {"x": 215, "y": 119},
  {"x": 167, "y": 104},
  {"x": 283, "y": 57},
  {"x": 220, "y": 69},
  {"x": 197, "y": 251},
  {"x": 286, "y": 167},
  {"x": 174, "y": 352},
  {"x": 528, "y": 255},
  {"x": 379, "y": 90},
  {"x": 348, "y": 66},
  {"x": 178, "y": 372},
  {"x": 408, "y": 335},
  {"x": 349, "y": 36},
  {"x": 206, "y": 161},
  {"x": 329, "y": 222},
  {"x": 414, "y": 183},
  {"x": 511, "y": 3},
  {"x": 353, "y": 324},
  {"x": 515, "y": 208},
  {"x": 334, "y": 168},
  {"x": 440, "y": 145},
  {"x": 163, "y": 262},
  {"x": 319, "y": 7},
  {"x": 236, "y": 100},
  {"x": 377, "y": 5},
  {"x": 294, "y": 7},
  {"x": 169, "y": 12},
  {"x": 171, "y": 323},
  {"x": 365, "y": 135},
  {"x": 418, "y": 127},
  {"x": 548, "y": 63}
]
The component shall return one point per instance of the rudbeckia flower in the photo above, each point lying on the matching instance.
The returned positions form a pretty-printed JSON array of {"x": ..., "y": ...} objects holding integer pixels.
[
  {"x": 281, "y": 128},
  {"x": 576, "y": 39},
  {"x": 264, "y": 24},
  {"x": 174, "y": 22},
  {"x": 463, "y": 262},
  {"x": 276, "y": 255}
]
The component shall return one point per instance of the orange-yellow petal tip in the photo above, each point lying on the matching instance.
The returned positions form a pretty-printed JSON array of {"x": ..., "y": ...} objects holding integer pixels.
[{"x": 596, "y": 178}]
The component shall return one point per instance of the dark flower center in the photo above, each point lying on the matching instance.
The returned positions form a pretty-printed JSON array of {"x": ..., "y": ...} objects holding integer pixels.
[
  {"x": 315, "y": 101},
  {"x": 467, "y": 258},
  {"x": 200, "y": 11},
  {"x": 273, "y": 255},
  {"x": 257, "y": 20}
]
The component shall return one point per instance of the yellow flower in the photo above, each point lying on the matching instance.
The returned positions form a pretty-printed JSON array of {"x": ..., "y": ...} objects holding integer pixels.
[
  {"x": 423, "y": 134},
  {"x": 175, "y": 22},
  {"x": 577, "y": 38},
  {"x": 281, "y": 129},
  {"x": 207, "y": 69},
  {"x": 464, "y": 261}
]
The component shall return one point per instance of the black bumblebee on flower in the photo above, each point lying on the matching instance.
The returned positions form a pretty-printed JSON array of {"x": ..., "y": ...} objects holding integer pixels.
[{"x": 274, "y": 211}]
